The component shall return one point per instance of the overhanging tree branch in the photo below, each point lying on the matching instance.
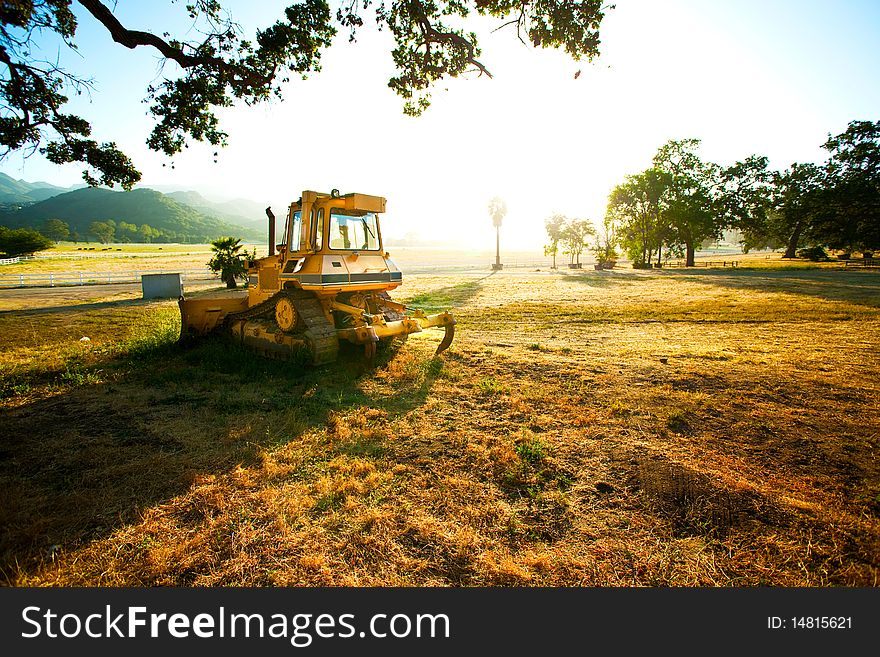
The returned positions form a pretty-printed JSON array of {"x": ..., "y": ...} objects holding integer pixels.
[
  {"x": 134, "y": 38},
  {"x": 235, "y": 73},
  {"x": 222, "y": 68}
]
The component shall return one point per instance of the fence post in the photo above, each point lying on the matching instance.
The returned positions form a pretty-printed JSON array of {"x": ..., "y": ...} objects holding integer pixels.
[
  {"x": 80, "y": 278},
  {"x": 51, "y": 279}
]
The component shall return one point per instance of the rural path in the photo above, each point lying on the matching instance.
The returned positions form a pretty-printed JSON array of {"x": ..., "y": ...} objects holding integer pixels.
[
  {"x": 48, "y": 299},
  {"x": 52, "y": 298}
]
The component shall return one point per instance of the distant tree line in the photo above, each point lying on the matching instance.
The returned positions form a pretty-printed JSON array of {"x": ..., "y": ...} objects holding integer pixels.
[
  {"x": 123, "y": 232},
  {"x": 21, "y": 241},
  {"x": 568, "y": 235},
  {"x": 682, "y": 201}
]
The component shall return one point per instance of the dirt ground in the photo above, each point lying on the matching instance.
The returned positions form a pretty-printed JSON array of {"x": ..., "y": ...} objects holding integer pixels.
[
  {"x": 671, "y": 428},
  {"x": 25, "y": 298}
]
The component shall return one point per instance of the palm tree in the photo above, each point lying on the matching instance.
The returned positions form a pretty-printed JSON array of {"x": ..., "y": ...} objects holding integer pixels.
[
  {"x": 497, "y": 210},
  {"x": 227, "y": 260}
]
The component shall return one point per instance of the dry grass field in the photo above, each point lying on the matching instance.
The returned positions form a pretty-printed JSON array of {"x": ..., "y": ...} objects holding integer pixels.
[
  {"x": 618, "y": 428},
  {"x": 127, "y": 257}
]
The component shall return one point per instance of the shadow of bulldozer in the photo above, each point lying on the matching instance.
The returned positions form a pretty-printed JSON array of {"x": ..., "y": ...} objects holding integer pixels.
[{"x": 90, "y": 458}]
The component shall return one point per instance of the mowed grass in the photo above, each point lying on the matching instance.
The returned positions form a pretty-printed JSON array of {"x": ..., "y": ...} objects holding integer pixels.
[
  {"x": 64, "y": 262},
  {"x": 673, "y": 428}
]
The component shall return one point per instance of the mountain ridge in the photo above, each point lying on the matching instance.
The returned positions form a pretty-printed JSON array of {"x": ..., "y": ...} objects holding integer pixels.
[
  {"x": 168, "y": 219},
  {"x": 21, "y": 191}
]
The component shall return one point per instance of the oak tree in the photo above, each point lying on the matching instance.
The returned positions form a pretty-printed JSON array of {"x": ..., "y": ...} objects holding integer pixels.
[
  {"x": 796, "y": 201},
  {"x": 103, "y": 231},
  {"x": 689, "y": 201},
  {"x": 20, "y": 241},
  {"x": 851, "y": 216},
  {"x": 55, "y": 229},
  {"x": 636, "y": 206},
  {"x": 745, "y": 190}
]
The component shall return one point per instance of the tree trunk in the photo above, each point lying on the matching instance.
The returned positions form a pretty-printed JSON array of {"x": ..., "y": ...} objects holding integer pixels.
[
  {"x": 231, "y": 284},
  {"x": 791, "y": 248},
  {"x": 689, "y": 254},
  {"x": 497, "y": 246}
]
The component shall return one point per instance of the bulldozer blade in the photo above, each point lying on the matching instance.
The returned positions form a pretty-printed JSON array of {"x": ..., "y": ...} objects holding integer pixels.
[
  {"x": 447, "y": 339},
  {"x": 202, "y": 316}
]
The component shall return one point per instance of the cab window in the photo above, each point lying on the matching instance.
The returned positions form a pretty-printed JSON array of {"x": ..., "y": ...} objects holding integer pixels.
[
  {"x": 319, "y": 230},
  {"x": 353, "y": 232},
  {"x": 295, "y": 231}
]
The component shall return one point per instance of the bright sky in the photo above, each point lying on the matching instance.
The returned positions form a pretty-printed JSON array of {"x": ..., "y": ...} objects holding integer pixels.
[{"x": 771, "y": 77}]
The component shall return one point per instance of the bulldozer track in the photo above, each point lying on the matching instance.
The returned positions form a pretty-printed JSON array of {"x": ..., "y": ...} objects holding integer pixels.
[{"x": 318, "y": 332}]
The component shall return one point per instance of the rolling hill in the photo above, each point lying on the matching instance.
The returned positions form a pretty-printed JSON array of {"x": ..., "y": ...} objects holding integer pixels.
[
  {"x": 240, "y": 212},
  {"x": 173, "y": 221},
  {"x": 21, "y": 192}
]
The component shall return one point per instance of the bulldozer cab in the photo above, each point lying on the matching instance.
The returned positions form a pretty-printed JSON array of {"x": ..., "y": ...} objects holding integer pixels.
[
  {"x": 331, "y": 244},
  {"x": 332, "y": 224}
]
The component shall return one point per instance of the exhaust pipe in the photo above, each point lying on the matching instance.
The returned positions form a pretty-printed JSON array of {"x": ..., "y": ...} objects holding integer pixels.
[{"x": 271, "y": 230}]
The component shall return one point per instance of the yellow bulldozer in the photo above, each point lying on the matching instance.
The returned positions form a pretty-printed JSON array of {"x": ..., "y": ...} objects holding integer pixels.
[{"x": 328, "y": 280}]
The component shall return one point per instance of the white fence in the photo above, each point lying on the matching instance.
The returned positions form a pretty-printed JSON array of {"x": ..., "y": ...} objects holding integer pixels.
[
  {"x": 53, "y": 279},
  {"x": 472, "y": 264},
  {"x": 516, "y": 262}
]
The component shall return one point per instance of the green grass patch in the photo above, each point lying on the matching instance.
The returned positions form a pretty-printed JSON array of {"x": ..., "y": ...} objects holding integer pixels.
[
  {"x": 678, "y": 421},
  {"x": 445, "y": 298},
  {"x": 329, "y": 502},
  {"x": 531, "y": 450},
  {"x": 490, "y": 386}
]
